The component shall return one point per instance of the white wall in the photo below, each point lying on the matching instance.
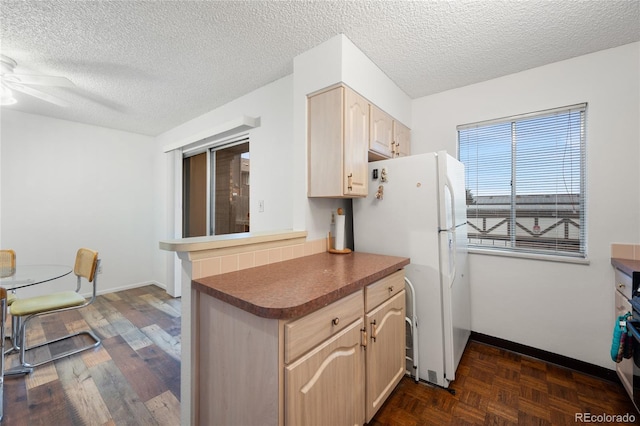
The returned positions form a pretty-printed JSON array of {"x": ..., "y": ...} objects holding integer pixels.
[
  {"x": 270, "y": 147},
  {"x": 279, "y": 145},
  {"x": 66, "y": 185},
  {"x": 563, "y": 308}
]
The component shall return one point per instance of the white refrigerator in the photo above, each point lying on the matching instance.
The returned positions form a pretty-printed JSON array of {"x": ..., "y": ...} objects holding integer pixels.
[{"x": 416, "y": 208}]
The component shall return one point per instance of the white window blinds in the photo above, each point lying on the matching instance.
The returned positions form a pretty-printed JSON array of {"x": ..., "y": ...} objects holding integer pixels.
[{"x": 525, "y": 181}]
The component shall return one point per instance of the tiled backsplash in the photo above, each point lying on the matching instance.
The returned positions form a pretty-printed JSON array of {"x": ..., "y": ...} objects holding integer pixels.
[
  {"x": 225, "y": 260},
  {"x": 625, "y": 251}
]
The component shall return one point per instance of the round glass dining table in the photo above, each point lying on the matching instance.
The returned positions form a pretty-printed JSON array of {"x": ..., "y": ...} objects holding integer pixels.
[{"x": 28, "y": 275}]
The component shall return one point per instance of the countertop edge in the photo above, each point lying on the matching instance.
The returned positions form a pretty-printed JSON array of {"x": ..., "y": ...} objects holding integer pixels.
[
  {"x": 283, "y": 313},
  {"x": 289, "y": 312},
  {"x": 228, "y": 240},
  {"x": 628, "y": 266}
]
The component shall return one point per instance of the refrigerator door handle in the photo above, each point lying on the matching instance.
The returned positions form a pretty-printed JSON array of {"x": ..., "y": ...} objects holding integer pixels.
[
  {"x": 450, "y": 204},
  {"x": 452, "y": 257},
  {"x": 449, "y": 212}
]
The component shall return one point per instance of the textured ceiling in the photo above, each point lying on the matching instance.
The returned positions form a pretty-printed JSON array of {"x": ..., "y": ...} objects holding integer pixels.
[{"x": 148, "y": 66}]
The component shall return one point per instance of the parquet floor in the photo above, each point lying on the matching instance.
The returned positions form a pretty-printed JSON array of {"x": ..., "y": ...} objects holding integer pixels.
[
  {"x": 134, "y": 378},
  {"x": 498, "y": 387}
]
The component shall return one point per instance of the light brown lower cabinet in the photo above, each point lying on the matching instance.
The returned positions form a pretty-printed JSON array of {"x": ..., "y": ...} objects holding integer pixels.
[
  {"x": 335, "y": 366},
  {"x": 385, "y": 359},
  {"x": 324, "y": 387}
]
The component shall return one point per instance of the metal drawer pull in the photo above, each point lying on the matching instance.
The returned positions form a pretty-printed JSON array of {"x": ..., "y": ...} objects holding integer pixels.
[
  {"x": 620, "y": 285},
  {"x": 335, "y": 321},
  {"x": 390, "y": 289}
]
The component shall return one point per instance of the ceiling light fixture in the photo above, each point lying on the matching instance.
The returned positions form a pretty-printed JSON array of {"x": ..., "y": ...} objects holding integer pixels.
[{"x": 6, "y": 96}]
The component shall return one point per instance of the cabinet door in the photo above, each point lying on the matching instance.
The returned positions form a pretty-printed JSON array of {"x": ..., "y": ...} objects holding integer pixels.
[
  {"x": 385, "y": 351},
  {"x": 325, "y": 387},
  {"x": 356, "y": 140},
  {"x": 402, "y": 140},
  {"x": 381, "y": 137},
  {"x": 325, "y": 143}
]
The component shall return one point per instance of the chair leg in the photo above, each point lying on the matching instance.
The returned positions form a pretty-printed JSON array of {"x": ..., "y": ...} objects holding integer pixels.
[
  {"x": 23, "y": 344},
  {"x": 14, "y": 337},
  {"x": 15, "y": 333},
  {"x": 3, "y": 318},
  {"x": 16, "y": 340}
]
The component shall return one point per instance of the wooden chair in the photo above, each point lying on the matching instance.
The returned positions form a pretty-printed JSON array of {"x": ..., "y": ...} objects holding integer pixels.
[
  {"x": 7, "y": 269},
  {"x": 24, "y": 310},
  {"x": 7, "y": 263}
]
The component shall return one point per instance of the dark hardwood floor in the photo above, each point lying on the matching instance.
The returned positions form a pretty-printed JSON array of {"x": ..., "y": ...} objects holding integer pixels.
[
  {"x": 497, "y": 387},
  {"x": 134, "y": 378}
]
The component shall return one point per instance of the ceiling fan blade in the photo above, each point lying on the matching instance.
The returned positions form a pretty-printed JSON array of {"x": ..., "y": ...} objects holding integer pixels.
[
  {"x": 38, "y": 80},
  {"x": 37, "y": 94}
]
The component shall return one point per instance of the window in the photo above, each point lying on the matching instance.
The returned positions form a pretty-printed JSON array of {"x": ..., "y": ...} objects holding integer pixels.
[
  {"x": 216, "y": 190},
  {"x": 525, "y": 182}
]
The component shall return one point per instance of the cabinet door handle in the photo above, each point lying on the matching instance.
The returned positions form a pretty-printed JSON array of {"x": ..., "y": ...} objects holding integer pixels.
[
  {"x": 350, "y": 182},
  {"x": 620, "y": 285},
  {"x": 335, "y": 321},
  {"x": 363, "y": 337},
  {"x": 374, "y": 330}
]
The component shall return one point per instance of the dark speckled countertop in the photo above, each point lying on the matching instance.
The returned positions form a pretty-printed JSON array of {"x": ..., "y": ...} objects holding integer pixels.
[
  {"x": 294, "y": 288},
  {"x": 628, "y": 266}
]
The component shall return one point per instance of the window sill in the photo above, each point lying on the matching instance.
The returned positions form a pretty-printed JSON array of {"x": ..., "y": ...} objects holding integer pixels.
[{"x": 531, "y": 256}]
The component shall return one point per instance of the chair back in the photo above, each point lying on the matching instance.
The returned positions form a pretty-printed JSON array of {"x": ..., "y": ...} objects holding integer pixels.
[
  {"x": 7, "y": 263},
  {"x": 86, "y": 264}
]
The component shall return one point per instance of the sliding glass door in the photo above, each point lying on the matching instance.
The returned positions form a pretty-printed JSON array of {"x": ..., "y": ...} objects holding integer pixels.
[
  {"x": 216, "y": 190},
  {"x": 194, "y": 195},
  {"x": 231, "y": 196}
]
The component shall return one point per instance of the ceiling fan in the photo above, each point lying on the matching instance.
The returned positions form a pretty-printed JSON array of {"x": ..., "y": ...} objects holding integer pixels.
[{"x": 10, "y": 81}]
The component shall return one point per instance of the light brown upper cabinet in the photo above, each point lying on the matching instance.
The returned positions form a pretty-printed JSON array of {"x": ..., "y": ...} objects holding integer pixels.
[
  {"x": 401, "y": 140},
  {"x": 338, "y": 137},
  {"x": 345, "y": 132},
  {"x": 381, "y": 141}
]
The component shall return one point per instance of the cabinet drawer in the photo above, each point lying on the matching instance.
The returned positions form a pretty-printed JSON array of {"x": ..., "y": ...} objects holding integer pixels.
[
  {"x": 303, "y": 334},
  {"x": 623, "y": 283},
  {"x": 383, "y": 289}
]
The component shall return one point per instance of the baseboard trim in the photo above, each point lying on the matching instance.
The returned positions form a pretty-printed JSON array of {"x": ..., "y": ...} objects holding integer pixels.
[
  {"x": 103, "y": 291},
  {"x": 550, "y": 357}
]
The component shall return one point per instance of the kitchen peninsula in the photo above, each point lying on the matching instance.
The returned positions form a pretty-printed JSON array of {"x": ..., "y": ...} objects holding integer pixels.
[{"x": 285, "y": 341}]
